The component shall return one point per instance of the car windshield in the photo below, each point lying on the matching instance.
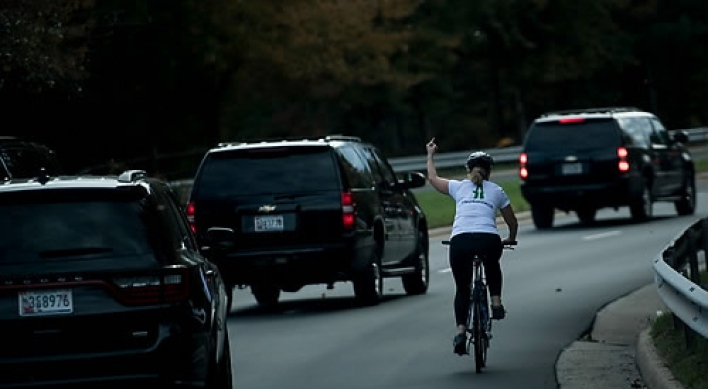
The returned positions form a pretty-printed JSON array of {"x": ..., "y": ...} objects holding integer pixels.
[
  {"x": 584, "y": 135},
  {"x": 269, "y": 171},
  {"x": 54, "y": 230}
]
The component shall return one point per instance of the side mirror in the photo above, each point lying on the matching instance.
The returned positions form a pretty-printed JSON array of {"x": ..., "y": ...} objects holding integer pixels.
[
  {"x": 413, "y": 180},
  {"x": 219, "y": 239},
  {"x": 679, "y": 136}
]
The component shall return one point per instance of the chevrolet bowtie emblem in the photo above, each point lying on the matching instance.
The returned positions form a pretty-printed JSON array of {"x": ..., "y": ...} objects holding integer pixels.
[{"x": 266, "y": 208}]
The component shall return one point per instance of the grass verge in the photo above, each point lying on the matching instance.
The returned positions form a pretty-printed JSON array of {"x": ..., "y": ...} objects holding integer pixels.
[{"x": 688, "y": 364}]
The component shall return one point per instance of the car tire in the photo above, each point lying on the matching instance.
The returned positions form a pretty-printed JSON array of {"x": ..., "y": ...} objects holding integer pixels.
[
  {"x": 687, "y": 204},
  {"x": 642, "y": 207},
  {"x": 542, "y": 216},
  {"x": 368, "y": 283},
  {"x": 229, "y": 298},
  {"x": 586, "y": 215},
  {"x": 266, "y": 295},
  {"x": 417, "y": 282}
]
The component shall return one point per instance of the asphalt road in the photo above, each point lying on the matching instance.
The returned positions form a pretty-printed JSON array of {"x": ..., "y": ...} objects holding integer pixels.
[{"x": 555, "y": 281}]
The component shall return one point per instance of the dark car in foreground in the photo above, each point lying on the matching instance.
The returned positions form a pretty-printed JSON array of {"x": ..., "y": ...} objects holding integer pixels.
[
  {"x": 587, "y": 159},
  {"x": 310, "y": 211},
  {"x": 101, "y": 284},
  {"x": 20, "y": 158}
]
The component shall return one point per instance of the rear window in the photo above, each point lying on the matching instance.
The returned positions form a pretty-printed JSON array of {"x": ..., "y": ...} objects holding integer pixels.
[
  {"x": 268, "y": 171},
  {"x": 584, "y": 135},
  {"x": 38, "y": 231}
]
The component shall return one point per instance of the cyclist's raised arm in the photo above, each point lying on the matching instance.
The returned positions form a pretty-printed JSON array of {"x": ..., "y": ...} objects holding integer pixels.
[
  {"x": 511, "y": 222},
  {"x": 439, "y": 183}
]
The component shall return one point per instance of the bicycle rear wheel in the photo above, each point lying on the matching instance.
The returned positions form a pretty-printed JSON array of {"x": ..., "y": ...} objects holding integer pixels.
[{"x": 479, "y": 338}]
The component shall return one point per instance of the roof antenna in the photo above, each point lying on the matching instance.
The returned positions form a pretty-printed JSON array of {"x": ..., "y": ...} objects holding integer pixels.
[{"x": 43, "y": 177}]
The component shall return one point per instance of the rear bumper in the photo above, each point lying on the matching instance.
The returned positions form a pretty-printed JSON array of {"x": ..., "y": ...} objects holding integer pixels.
[
  {"x": 295, "y": 266},
  {"x": 616, "y": 193},
  {"x": 175, "y": 359}
]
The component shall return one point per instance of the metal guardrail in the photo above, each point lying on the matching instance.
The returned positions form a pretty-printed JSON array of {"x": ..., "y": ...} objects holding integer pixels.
[
  {"x": 683, "y": 295},
  {"x": 500, "y": 155}
]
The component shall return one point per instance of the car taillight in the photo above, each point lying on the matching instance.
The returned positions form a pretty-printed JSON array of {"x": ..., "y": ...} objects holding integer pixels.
[
  {"x": 347, "y": 210},
  {"x": 623, "y": 164},
  {"x": 523, "y": 171},
  {"x": 190, "y": 217},
  {"x": 152, "y": 289}
]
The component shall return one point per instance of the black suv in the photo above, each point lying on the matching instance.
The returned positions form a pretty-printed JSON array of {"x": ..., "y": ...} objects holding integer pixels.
[
  {"x": 24, "y": 159},
  {"x": 310, "y": 211},
  {"x": 584, "y": 160},
  {"x": 102, "y": 282}
]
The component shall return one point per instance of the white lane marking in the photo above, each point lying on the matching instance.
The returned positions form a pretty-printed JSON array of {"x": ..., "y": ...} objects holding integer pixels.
[
  {"x": 603, "y": 235},
  {"x": 445, "y": 270}
]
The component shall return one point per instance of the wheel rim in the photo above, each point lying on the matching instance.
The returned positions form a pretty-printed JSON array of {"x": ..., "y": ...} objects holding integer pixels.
[
  {"x": 378, "y": 282},
  {"x": 423, "y": 262},
  {"x": 691, "y": 196}
]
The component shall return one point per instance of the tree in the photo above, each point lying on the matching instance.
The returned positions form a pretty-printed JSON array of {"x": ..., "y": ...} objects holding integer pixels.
[{"x": 43, "y": 46}]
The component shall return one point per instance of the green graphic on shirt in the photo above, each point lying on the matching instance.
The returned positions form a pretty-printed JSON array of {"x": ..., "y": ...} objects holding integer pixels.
[{"x": 479, "y": 192}]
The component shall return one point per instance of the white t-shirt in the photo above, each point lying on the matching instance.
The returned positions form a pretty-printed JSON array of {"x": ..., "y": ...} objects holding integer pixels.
[{"x": 476, "y": 207}]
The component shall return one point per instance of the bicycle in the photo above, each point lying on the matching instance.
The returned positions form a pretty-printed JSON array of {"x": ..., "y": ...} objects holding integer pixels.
[{"x": 479, "y": 321}]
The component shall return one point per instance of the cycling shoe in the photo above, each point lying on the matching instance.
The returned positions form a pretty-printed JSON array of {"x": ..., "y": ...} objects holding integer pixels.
[{"x": 460, "y": 344}]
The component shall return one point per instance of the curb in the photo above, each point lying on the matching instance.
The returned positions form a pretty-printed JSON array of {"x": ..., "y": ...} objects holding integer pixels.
[{"x": 652, "y": 368}]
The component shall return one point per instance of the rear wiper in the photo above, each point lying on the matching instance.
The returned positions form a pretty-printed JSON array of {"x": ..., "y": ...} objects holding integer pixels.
[{"x": 74, "y": 251}]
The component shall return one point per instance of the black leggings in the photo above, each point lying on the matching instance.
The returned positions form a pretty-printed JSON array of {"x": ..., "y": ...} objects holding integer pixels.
[{"x": 462, "y": 248}]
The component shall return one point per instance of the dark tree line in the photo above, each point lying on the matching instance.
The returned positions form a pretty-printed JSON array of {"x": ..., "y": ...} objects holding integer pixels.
[{"x": 137, "y": 80}]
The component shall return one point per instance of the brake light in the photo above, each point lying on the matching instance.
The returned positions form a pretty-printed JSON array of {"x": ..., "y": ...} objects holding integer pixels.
[
  {"x": 190, "y": 217},
  {"x": 571, "y": 120},
  {"x": 152, "y": 289},
  {"x": 523, "y": 171},
  {"x": 347, "y": 210},
  {"x": 623, "y": 164}
]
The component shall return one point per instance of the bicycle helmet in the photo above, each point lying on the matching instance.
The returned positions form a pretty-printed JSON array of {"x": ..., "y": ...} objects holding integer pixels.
[{"x": 481, "y": 159}]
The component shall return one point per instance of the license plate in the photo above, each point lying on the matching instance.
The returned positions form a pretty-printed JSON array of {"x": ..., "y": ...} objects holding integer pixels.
[
  {"x": 571, "y": 168},
  {"x": 268, "y": 223},
  {"x": 46, "y": 302}
]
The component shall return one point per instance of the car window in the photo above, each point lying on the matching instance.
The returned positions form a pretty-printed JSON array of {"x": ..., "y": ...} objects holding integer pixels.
[
  {"x": 659, "y": 135},
  {"x": 576, "y": 136},
  {"x": 55, "y": 229},
  {"x": 268, "y": 171},
  {"x": 379, "y": 163},
  {"x": 178, "y": 216},
  {"x": 637, "y": 130},
  {"x": 357, "y": 171}
]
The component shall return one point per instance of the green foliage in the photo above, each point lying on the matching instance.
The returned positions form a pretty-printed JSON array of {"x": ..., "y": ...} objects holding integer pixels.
[
  {"x": 687, "y": 363},
  {"x": 43, "y": 45},
  {"x": 180, "y": 74}
]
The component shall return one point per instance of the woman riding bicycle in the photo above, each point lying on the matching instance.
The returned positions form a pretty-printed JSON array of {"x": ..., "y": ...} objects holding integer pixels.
[{"x": 474, "y": 231}]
